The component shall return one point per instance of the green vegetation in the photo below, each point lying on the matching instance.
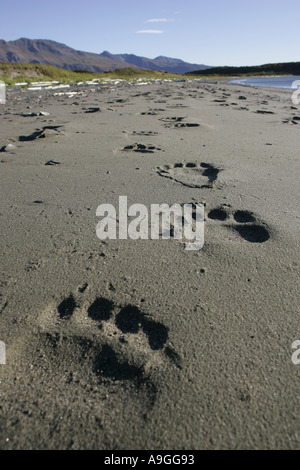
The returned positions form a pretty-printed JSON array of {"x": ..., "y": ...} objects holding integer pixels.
[
  {"x": 289, "y": 68},
  {"x": 12, "y": 73}
]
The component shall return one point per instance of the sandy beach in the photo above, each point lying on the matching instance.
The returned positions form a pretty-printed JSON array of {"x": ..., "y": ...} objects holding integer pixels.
[{"x": 141, "y": 344}]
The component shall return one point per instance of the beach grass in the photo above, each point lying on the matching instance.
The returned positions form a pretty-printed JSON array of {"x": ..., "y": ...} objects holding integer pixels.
[{"x": 12, "y": 73}]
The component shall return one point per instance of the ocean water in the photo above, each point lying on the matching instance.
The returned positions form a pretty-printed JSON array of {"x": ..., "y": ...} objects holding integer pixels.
[{"x": 292, "y": 82}]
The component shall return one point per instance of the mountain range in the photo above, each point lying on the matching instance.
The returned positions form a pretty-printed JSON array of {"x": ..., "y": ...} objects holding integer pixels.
[{"x": 43, "y": 51}]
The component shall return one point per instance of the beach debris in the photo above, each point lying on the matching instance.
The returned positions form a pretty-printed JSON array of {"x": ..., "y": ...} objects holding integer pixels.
[
  {"x": 8, "y": 148},
  {"x": 38, "y": 86},
  {"x": 20, "y": 84},
  {"x": 52, "y": 162},
  {"x": 92, "y": 110},
  {"x": 46, "y": 131},
  {"x": 292, "y": 120},
  {"x": 28, "y": 114},
  {"x": 33, "y": 114},
  {"x": 264, "y": 111}
]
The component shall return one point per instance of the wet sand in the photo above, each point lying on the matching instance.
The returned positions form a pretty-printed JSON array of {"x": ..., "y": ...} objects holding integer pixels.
[{"x": 141, "y": 344}]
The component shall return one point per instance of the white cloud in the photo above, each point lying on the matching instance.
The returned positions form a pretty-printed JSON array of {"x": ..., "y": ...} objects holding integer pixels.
[
  {"x": 158, "y": 20},
  {"x": 149, "y": 31}
]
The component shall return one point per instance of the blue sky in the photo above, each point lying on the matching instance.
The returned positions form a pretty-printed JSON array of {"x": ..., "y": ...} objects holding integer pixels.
[{"x": 211, "y": 32}]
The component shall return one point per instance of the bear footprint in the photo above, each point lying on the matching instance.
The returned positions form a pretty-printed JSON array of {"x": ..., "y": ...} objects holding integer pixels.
[
  {"x": 176, "y": 122},
  {"x": 244, "y": 223},
  {"x": 145, "y": 133},
  {"x": 141, "y": 148},
  {"x": 112, "y": 344},
  {"x": 192, "y": 175}
]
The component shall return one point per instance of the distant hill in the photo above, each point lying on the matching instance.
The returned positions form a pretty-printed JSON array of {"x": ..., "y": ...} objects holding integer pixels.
[
  {"x": 160, "y": 63},
  {"x": 287, "y": 68},
  {"x": 42, "y": 51},
  {"x": 38, "y": 51}
]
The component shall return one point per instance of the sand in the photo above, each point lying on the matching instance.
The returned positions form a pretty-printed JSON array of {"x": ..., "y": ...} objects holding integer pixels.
[{"x": 141, "y": 344}]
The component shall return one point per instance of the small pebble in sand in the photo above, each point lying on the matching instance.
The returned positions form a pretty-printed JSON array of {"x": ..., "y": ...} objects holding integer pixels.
[{"x": 8, "y": 148}]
